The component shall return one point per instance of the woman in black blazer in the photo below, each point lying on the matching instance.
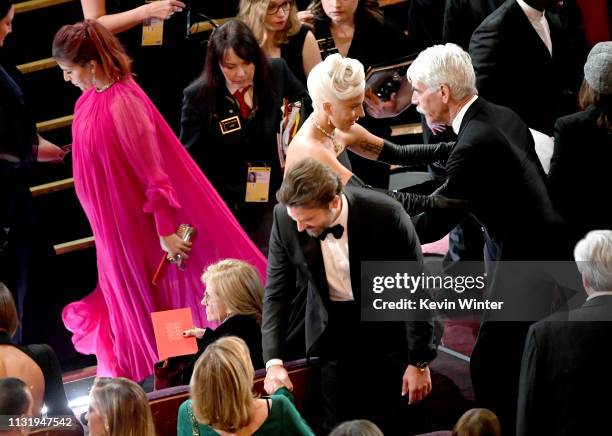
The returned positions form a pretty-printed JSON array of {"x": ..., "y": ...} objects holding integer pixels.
[
  {"x": 234, "y": 297},
  {"x": 231, "y": 116},
  {"x": 583, "y": 151}
]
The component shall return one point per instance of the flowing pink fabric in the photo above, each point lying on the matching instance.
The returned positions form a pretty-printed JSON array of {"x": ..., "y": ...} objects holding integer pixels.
[{"x": 135, "y": 181}]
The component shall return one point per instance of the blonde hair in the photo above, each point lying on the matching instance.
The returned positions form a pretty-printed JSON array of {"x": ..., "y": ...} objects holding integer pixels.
[
  {"x": 446, "y": 64},
  {"x": 238, "y": 285},
  {"x": 221, "y": 385},
  {"x": 253, "y": 14},
  {"x": 124, "y": 407},
  {"x": 336, "y": 78}
]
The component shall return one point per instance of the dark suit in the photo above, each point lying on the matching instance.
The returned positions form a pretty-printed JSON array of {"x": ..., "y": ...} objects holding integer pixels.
[
  {"x": 378, "y": 229},
  {"x": 579, "y": 172},
  {"x": 495, "y": 167},
  {"x": 564, "y": 365},
  {"x": 515, "y": 69}
]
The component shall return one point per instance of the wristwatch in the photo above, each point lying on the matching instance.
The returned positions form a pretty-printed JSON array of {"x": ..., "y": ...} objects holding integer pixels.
[{"x": 422, "y": 365}]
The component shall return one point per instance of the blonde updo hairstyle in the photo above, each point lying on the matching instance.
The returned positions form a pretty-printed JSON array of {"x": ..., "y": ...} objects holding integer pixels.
[{"x": 335, "y": 79}]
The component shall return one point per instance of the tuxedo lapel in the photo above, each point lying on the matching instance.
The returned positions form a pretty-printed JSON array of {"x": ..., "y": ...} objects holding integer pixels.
[
  {"x": 532, "y": 43},
  {"x": 355, "y": 245},
  {"x": 471, "y": 113}
]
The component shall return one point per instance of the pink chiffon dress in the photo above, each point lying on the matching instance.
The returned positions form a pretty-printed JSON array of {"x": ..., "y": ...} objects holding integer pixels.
[{"x": 135, "y": 182}]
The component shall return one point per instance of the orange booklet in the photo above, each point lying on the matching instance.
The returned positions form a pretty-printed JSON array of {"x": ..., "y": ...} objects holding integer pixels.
[{"x": 169, "y": 326}]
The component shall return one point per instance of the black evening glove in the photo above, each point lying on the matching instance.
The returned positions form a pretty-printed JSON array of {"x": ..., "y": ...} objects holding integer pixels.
[{"x": 414, "y": 154}]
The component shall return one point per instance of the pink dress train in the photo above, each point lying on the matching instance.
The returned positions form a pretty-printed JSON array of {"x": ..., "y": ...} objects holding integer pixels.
[{"x": 135, "y": 181}]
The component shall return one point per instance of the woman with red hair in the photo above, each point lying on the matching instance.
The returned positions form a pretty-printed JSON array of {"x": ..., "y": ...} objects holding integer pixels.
[{"x": 137, "y": 184}]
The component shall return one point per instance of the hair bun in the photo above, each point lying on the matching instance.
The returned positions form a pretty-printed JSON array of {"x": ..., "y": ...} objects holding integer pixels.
[{"x": 347, "y": 78}]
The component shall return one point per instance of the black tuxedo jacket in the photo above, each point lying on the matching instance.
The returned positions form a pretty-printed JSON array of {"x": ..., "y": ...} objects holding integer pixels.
[
  {"x": 579, "y": 172},
  {"x": 515, "y": 69},
  {"x": 495, "y": 168},
  {"x": 565, "y": 364},
  {"x": 378, "y": 230}
]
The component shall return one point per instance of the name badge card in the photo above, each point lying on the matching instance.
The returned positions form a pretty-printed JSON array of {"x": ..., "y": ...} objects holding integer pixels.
[
  {"x": 152, "y": 31},
  {"x": 229, "y": 125},
  {"x": 258, "y": 185}
]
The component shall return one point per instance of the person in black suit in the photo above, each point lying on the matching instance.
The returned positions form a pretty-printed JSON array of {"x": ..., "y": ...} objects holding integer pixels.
[
  {"x": 494, "y": 167},
  {"x": 365, "y": 366},
  {"x": 567, "y": 357},
  {"x": 582, "y": 150},
  {"x": 534, "y": 73}
]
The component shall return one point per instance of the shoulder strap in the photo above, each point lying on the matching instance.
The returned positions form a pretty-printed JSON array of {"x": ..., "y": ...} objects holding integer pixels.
[{"x": 195, "y": 428}]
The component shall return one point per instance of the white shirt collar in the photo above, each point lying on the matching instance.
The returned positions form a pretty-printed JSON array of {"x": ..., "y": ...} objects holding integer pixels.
[
  {"x": 597, "y": 294},
  {"x": 532, "y": 13},
  {"x": 459, "y": 117},
  {"x": 343, "y": 217}
]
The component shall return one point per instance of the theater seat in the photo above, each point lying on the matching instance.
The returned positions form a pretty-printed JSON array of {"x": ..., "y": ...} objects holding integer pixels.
[{"x": 165, "y": 402}]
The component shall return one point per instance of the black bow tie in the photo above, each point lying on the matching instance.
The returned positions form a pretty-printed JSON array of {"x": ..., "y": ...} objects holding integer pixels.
[{"x": 336, "y": 230}]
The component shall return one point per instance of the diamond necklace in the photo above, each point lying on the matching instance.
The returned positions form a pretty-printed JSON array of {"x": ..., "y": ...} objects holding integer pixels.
[{"x": 337, "y": 147}]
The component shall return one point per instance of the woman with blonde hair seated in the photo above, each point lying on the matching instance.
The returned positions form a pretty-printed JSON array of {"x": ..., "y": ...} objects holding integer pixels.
[
  {"x": 222, "y": 401},
  {"x": 119, "y": 407},
  {"x": 234, "y": 298},
  {"x": 337, "y": 89}
]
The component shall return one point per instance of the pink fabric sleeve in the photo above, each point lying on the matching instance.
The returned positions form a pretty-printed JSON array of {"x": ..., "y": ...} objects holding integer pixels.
[{"x": 138, "y": 137}]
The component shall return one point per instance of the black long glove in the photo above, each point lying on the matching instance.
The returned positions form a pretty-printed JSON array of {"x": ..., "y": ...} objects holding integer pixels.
[
  {"x": 414, "y": 154},
  {"x": 417, "y": 203}
]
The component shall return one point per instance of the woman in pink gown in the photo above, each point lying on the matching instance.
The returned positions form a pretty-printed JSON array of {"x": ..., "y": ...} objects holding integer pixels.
[{"x": 136, "y": 184}]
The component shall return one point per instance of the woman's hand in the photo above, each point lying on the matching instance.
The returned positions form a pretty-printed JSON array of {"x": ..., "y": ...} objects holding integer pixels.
[
  {"x": 49, "y": 152},
  {"x": 162, "y": 9},
  {"x": 196, "y": 332},
  {"x": 174, "y": 245},
  {"x": 306, "y": 17}
]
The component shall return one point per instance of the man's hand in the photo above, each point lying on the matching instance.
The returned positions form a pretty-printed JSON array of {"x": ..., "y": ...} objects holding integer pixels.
[
  {"x": 416, "y": 383},
  {"x": 276, "y": 378}
]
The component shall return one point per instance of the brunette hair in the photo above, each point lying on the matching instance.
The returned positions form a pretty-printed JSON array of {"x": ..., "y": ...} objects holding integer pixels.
[
  {"x": 253, "y": 14},
  {"x": 365, "y": 9},
  {"x": 15, "y": 397},
  {"x": 310, "y": 184},
  {"x": 90, "y": 41},
  {"x": 5, "y": 7},
  {"x": 357, "y": 427},
  {"x": 235, "y": 35},
  {"x": 124, "y": 407},
  {"x": 238, "y": 285},
  {"x": 9, "y": 320},
  {"x": 477, "y": 422},
  {"x": 603, "y": 103},
  {"x": 221, "y": 385}
]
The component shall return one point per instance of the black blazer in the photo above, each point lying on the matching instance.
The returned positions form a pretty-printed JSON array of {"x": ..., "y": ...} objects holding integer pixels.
[
  {"x": 495, "y": 168},
  {"x": 243, "y": 326},
  {"x": 579, "y": 172},
  {"x": 564, "y": 365},
  {"x": 462, "y": 17},
  {"x": 378, "y": 229},
  {"x": 514, "y": 68}
]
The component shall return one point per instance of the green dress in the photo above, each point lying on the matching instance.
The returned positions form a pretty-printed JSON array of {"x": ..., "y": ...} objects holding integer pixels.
[{"x": 283, "y": 419}]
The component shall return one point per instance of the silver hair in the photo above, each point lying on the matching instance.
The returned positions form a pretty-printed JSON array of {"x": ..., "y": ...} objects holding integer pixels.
[
  {"x": 336, "y": 78},
  {"x": 446, "y": 64},
  {"x": 593, "y": 255}
]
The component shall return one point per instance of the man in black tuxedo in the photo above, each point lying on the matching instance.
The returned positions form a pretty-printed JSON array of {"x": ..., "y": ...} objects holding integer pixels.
[
  {"x": 495, "y": 168},
  {"x": 525, "y": 60},
  {"x": 568, "y": 358},
  {"x": 366, "y": 367}
]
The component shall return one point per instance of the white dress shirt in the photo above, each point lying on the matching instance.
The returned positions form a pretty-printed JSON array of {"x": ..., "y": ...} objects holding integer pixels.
[
  {"x": 336, "y": 259},
  {"x": 597, "y": 294},
  {"x": 456, "y": 124},
  {"x": 539, "y": 23}
]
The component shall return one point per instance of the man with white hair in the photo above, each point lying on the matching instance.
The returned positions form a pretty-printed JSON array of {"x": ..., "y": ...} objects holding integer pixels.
[
  {"x": 495, "y": 168},
  {"x": 567, "y": 357}
]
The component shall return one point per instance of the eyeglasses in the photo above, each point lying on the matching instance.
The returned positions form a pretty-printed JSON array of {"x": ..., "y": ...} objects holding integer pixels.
[{"x": 273, "y": 9}]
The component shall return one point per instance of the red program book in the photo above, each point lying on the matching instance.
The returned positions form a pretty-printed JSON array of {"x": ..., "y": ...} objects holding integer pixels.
[{"x": 168, "y": 326}]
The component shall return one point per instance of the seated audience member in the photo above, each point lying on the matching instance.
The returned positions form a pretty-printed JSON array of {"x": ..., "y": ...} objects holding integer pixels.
[
  {"x": 357, "y": 427},
  {"x": 234, "y": 297},
  {"x": 583, "y": 150},
  {"x": 336, "y": 87},
  {"x": 231, "y": 115},
  {"x": 15, "y": 402},
  {"x": 567, "y": 357},
  {"x": 35, "y": 364},
  {"x": 119, "y": 407},
  {"x": 281, "y": 35},
  {"x": 477, "y": 422},
  {"x": 222, "y": 400}
]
